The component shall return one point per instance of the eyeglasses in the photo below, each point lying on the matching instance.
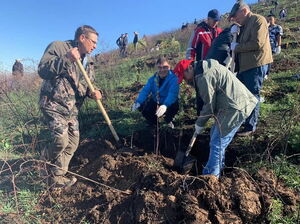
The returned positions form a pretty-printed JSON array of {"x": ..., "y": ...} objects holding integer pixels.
[
  {"x": 165, "y": 67},
  {"x": 94, "y": 42}
]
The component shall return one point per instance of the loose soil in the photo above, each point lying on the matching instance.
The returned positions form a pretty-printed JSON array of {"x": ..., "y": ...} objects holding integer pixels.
[{"x": 143, "y": 188}]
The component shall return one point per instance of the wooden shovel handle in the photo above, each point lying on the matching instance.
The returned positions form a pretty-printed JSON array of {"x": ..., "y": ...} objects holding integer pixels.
[{"x": 103, "y": 111}]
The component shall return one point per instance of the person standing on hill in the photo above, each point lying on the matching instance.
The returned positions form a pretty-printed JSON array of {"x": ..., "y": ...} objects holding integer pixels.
[
  {"x": 203, "y": 35},
  {"x": 201, "y": 40},
  {"x": 18, "y": 69},
  {"x": 225, "y": 99},
  {"x": 119, "y": 42},
  {"x": 62, "y": 94},
  {"x": 160, "y": 95},
  {"x": 135, "y": 40},
  {"x": 282, "y": 13},
  {"x": 124, "y": 45},
  {"x": 275, "y": 33},
  {"x": 253, "y": 54}
]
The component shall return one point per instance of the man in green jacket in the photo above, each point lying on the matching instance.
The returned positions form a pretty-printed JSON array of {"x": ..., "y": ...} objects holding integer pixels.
[
  {"x": 253, "y": 54},
  {"x": 62, "y": 94},
  {"x": 225, "y": 99}
]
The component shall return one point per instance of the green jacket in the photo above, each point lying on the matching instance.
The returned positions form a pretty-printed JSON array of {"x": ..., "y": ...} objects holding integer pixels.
[
  {"x": 64, "y": 88},
  {"x": 254, "y": 47},
  {"x": 225, "y": 98}
]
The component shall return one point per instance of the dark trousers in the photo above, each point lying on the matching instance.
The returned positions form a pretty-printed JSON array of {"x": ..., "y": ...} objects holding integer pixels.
[
  {"x": 149, "y": 107},
  {"x": 253, "y": 80}
]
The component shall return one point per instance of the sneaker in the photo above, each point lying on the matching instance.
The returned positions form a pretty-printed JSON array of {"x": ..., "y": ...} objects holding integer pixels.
[
  {"x": 171, "y": 125},
  {"x": 244, "y": 133},
  {"x": 62, "y": 181},
  {"x": 261, "y": 99}
]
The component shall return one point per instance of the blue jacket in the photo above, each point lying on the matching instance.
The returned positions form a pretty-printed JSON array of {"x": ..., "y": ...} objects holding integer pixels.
[{"x": 168, "y": 91}]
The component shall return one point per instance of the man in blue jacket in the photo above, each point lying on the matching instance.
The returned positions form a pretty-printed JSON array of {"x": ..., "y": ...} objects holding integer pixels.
[{"x": 164, "y": 89}]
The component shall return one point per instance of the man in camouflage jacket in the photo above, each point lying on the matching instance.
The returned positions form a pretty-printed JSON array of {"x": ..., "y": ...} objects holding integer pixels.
[{"x": 62, "y": 94}]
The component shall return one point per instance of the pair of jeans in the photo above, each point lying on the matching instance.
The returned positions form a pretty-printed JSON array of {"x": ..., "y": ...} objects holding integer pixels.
[
  {"x": 218, "y": 144},
  {"x": 149, "y": 108},
  {"x": 253, "y": 80}
]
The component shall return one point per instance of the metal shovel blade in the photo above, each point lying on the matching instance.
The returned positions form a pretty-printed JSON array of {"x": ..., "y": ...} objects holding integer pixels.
[{"x": 183, "y": 162}]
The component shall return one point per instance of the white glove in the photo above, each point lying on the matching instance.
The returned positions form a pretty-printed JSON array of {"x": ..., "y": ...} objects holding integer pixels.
[
  {"x": 277, "y": 50},
  {"x": 198, "y": 129},
  {"x": 161, "y": 110},
  {"x": 234, "y": 29},
  {"x": 233, "y": 46},
  {"x": 135, "y": 106}
]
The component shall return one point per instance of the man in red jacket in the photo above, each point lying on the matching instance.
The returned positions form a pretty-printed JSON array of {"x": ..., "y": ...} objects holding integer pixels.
[{"x": 203, "y": 35}]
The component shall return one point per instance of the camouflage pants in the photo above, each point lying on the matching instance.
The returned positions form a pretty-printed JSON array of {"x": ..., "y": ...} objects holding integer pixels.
[{"x": 64, "y": 140}]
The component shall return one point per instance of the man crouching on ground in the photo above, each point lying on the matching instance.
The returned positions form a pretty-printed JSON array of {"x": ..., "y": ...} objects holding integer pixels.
[
  {"x": 62, "y": 94},
  {"x": 225, "y": 99}
]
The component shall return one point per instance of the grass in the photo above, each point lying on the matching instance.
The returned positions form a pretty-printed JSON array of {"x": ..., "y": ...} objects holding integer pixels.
[{"x": 23, "y": 134}]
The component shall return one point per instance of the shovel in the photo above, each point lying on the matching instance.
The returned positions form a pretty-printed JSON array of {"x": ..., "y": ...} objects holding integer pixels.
[
  {"x": 87, "y": 79},
  {"x": 183, "y": 161}
]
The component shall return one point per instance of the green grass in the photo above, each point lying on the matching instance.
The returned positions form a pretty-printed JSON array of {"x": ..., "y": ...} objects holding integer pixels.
[{"x": 23, "y": 134}]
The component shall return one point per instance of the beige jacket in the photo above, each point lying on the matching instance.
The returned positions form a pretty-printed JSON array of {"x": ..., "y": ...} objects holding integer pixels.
[{"x": 254, "y": 47}]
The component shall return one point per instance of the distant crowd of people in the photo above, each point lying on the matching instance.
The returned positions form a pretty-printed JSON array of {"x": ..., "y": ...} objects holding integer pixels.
[{"x": 225, "y": 67}]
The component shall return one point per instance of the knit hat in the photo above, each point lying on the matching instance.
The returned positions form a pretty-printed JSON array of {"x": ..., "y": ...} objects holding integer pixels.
[{"x": 181, "y": 67}]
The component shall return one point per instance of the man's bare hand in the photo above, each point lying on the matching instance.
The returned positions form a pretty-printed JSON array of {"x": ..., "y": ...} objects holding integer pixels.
[
  {"x": 96, "y": 95},
  {"x": 73, "y": 54}
]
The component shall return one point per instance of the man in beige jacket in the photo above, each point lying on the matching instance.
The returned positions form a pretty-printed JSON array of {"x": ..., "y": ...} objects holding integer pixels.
[{"x": 253, "y": 54}]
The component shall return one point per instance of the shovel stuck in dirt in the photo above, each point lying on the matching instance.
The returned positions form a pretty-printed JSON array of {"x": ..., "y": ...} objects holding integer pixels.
[
  {"x": 183, "y": 162},
  {"x": 108, "y": 121}
]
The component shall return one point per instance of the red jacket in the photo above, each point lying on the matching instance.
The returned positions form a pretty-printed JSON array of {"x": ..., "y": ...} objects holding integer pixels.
[{"x": 201, "y": 40}]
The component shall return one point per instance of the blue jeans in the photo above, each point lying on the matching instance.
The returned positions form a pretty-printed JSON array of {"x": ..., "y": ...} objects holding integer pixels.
[
  {"x": 253, "y": 79},
  {"x": 218, "y": 144}
]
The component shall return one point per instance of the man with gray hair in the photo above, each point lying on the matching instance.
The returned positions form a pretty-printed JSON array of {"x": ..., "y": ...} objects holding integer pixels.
[
  {"x": 62, "y": 94},
  {"x": 253, "y": 54}
]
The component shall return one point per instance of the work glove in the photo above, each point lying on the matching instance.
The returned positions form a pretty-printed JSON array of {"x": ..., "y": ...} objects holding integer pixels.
[
  {"x": 161, "y": 110},
  {"x": 233, "y": 46},
  {"x": 277, "y": 50},
  {"x": 234, "y": 29},
  {"x": 198, "y": 129},
  {"x": 135, "y": 106}
]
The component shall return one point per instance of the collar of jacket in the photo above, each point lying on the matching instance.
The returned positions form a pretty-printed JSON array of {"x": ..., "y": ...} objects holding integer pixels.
[
  {"x": 198, "y": 68},
  {"x": 247, "y": 18},
  {"x": 205, "y": 26},
  {"x": 169, "y": 76}
]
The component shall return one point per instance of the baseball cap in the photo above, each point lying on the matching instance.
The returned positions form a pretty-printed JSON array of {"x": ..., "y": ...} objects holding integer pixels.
[
  {"x": 214, "y": 14},
  {"x": 181, "y": 67}
]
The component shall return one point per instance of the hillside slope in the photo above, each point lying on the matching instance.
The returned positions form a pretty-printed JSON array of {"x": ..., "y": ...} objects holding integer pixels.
[{"x": 131, "y": 184}]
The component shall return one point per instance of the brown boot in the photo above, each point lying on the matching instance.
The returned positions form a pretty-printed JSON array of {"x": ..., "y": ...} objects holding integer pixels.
[{"x": 62, "y": 181}]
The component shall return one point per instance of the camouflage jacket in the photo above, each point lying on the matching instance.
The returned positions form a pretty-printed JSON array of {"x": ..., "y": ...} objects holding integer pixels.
[{"x": 64, "y": 88}]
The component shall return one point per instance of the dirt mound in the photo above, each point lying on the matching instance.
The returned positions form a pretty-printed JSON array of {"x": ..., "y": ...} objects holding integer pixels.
[{"x": 160, "y": 195}]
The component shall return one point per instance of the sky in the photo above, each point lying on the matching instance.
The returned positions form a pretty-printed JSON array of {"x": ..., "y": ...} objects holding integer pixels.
[{"x": 28, "y": 26}]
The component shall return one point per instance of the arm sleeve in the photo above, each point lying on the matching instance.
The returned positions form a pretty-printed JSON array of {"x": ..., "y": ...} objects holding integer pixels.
[
  {"x": 172, "y": 93},
  {"x": 207, "y": 92},
  {"x": 145, "y": 91},
  {"x": 190, "y": 51},
  {"x": 259, "y": 32},
  {"x": 52, "y": 63}
]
